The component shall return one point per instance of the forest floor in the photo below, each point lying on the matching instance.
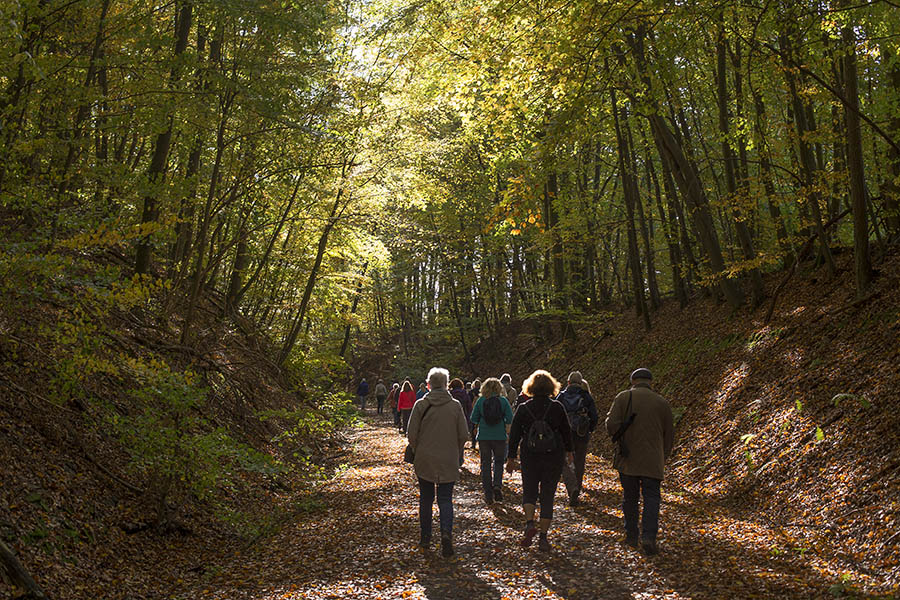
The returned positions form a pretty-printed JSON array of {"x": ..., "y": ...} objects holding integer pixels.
[{"x": 361, "y": 542}]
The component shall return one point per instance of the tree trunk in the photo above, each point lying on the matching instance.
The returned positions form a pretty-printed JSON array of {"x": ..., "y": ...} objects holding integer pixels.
[
  {"x": 14, "y": 572},
  {"x": 311, "y": 280},
  {"x": 688, "y": 181},
  {"x": 807, "y": 160},
  {"x": 157, "y": 168},
  {"x": 734, "y": 198},
  {"x": 855, "y": 166},
  {"x": 629, "y": 191}
]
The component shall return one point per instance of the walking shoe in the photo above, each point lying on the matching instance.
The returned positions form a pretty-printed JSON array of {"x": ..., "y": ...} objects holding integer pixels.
[
  {"x": 543, "y": 543},
  {"x": 649, "y": 547},
  {"x": 498, "y": 494},
  {"x": 573, "y": 499},
  {"x": 632, "y": 542},
  {"x": 488, "y": 499},
  {"x": 530, "y": 531},
  {"x": 424, "y": 540},
  {"x": 446, "y": 544}
]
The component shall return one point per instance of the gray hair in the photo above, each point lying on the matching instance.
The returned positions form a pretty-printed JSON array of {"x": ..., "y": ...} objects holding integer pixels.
[{"x": 438, "y": 378}]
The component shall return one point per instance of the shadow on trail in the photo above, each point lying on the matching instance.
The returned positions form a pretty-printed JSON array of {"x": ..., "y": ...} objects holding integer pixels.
[{"x": 450, "y": 581}]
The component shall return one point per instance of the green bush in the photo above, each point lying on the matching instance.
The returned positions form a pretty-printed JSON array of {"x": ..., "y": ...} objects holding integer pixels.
[{"x": 171, "y": 445}]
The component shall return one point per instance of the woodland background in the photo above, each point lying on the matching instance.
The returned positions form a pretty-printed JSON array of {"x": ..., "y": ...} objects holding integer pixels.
[{"x": 216, "y": 214}]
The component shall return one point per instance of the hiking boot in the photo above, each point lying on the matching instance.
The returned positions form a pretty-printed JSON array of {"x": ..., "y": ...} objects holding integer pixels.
[
  {"x": 530, "y": 532},
  {"x": 543, "y": 543},
  {"x": 424, "y": 540},
  {"x": 498, "y": 494},
  {"x": 446, "y": 544},
  {"x": 573, "y": 499},
  {"x": 649, "y": 547},
  {"x": 488, "y": 498},
  {"x": 631, "y": 542}
]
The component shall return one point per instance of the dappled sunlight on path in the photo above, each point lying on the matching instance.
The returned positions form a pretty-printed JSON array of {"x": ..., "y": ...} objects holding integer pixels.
[{"x": 362, "y": 544}]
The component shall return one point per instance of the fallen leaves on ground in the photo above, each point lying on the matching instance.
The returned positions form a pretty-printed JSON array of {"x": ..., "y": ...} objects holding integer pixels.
[{"x": 362, "y": 543}]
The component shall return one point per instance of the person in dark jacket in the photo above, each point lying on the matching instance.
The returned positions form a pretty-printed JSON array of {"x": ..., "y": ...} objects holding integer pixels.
[
  {"x": 362, "y": 390},
  {"x": 649, "y": 439},
  {"x": 474, "y": 394},
  {"x": 458, "y": 391},
  {"x": 582, "y": 412},
  {"x": 541, "y": 466},
  {"x": 393, "y": 397}
]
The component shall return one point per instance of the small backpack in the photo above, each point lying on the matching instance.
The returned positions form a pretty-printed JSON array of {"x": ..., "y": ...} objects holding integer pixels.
[
  {"x": 577, "y": 412},
  {"x": 493, "y": 410},
  {"x": 541, "y": 439}
]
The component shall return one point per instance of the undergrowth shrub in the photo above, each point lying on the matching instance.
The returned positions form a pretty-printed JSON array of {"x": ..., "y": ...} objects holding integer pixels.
[
  {"x": 329, "y": 413},
  {"x": 172, "y": 446}
]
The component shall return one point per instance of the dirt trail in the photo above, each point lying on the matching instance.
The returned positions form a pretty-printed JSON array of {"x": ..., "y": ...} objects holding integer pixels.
[{"x": 362, "y": 544}]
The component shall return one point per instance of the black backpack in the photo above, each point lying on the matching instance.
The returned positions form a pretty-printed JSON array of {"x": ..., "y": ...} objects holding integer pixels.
[
  {"x": 541, "y": 439},
  {"x": 492, "y": 410}
]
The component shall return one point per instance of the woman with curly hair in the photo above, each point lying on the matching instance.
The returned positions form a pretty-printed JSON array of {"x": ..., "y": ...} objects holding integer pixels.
[{"x": 542, "y": 427}]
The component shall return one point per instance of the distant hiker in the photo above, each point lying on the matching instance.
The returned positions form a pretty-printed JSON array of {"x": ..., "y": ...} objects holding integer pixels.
[
  {"x": 542, "y": 427},
  {"x": 474, "y": 393},
  {"x": 422, "y": 390},
  {"x": 457, "y": 390},
  {"x": 511, "y": 393},
  {"x": 437, "y": 434},
  {"x": 491, "y": 415},
  {"x": 380, "y": 395},
  {"x": 362, "y": 390},
  {"x": 392, "y": 399},
  {"x": 642, "y": 421},
  {"x": 582, "y": 412},
  {"x": 405, "y": 402}
]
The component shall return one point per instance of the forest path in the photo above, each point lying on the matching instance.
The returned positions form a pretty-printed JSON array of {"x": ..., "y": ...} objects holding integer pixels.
[{"x": 362, "y": 544}]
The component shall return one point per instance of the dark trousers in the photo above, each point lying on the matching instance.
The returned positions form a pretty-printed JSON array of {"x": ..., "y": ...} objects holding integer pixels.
[
  {"x": 540, "y": 476},
  {"x": 633, "y": 487},
  {"x": 404, "y": 419},
  {"x": 493, "y": 454},
  {"x": 380, "y": 400},
  {"x": 426, "y": 502},
  {"x": 574, "y": 477}
]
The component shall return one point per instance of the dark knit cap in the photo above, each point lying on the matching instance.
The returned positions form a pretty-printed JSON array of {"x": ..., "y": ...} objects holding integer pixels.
[{"x": 641, "y": 373}]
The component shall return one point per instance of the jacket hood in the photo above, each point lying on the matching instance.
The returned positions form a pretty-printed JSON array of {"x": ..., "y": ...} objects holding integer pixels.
[
  {"x": 573, "y": 391},
  {"x": 438, "y": 397}
]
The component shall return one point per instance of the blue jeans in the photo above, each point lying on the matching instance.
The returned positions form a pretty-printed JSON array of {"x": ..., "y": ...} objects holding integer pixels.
[
  {"x": 493, "y": 454},
  {"x": 634, "y": 486},
  {"x": 445, "y": 505}
]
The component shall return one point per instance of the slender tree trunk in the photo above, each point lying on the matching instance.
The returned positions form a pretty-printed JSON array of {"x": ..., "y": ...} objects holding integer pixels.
[
  {"x": 157, "y": 169},
  {"x": 688, "y": 181},
  {"x": 855, "y": 166},
  {"x": 807, "y": 161},
  {"x": 735, "y": 199},
  {"x": 356, "y": 297},
  {"x": 629, "y": 191},
  {"x": 311, "y": 280}
]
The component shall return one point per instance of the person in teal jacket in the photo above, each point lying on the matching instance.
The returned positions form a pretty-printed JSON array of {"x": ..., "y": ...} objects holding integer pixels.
[{"x": 492, "y": 415}]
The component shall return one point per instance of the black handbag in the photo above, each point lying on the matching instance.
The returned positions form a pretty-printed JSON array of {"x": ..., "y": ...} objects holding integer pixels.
[{"x": 409, "y": 453}]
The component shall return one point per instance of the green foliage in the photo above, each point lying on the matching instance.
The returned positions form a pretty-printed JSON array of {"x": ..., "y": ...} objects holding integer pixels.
[
  {"x": 329, "y": 413},
  {"x": 170, "y": 443}
]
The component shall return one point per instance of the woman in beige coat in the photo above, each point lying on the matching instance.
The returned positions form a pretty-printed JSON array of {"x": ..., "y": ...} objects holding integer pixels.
[{"x": 437, "y": 433}]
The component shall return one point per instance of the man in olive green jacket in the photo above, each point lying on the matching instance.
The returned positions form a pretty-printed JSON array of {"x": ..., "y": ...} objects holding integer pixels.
[{"x": 648, "y": 440}]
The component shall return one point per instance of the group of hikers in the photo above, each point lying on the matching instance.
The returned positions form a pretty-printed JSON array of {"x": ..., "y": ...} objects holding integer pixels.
[{"x": 544, "y": 431}]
